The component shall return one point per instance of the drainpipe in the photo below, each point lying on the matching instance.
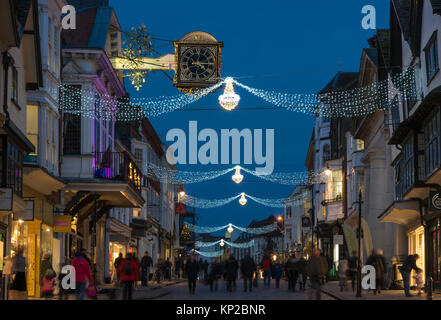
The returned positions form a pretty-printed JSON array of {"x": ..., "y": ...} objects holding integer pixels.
[{"x": 7, "y": 61}]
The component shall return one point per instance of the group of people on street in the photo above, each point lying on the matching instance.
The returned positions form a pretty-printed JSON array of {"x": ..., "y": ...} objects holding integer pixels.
[{"x": 383, "y": 272}]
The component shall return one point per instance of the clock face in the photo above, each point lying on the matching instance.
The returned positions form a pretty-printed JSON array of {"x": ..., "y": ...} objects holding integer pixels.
[{"x": 197, "y": 64}]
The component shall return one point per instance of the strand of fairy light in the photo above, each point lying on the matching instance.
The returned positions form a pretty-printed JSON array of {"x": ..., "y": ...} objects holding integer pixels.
[
  {"x": 338, "y": 103},
  {"x": 223, "y": 242},
  {"x": 168, "y": 175},
  {"x": 259, "y": 230},
  {"x": 216, "y": 203}
]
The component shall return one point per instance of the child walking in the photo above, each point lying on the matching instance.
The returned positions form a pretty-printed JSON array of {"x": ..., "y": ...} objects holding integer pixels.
[
  {"x": 48, "y": 284},
  {"x": 419, "y": 280}
]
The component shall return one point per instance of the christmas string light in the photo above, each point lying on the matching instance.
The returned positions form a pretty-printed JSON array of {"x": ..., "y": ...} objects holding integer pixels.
[
  {"x": 260, "y": 230},
  {"x": 223, "y": 242},
  {"x": 340, "y": 103},
  {"x": 336, "y": 103},
  {"x": 210, "y": 254},
  {"x": 215, "y": 203},
  {"x": 229, "y": 99}
]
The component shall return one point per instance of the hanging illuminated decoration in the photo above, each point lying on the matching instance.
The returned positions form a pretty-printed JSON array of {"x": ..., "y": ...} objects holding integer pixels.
[
  {"x": 243, "y": 201},
  {"x": 229, "y": 100},
  {"x": 260, "y": 230},
  {"x": 237, "y": 177},
  {"x": 210, "y": 254},
  {"x": 338, "y": 103},
  {"x": 223, "y": 242},
  {"x": 215, "y": 203}
]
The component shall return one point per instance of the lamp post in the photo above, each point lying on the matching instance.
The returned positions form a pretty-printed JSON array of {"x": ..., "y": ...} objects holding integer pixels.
[{"x": 359, "y": 246}]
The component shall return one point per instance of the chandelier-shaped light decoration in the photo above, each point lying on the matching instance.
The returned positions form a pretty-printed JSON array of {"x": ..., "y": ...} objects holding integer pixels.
[
  {"x": 243, "y": 201},
  {"x": 229, "y": 99},
  {"x": 230, "y": 228},
  {"x": 221, "y": 243},
  {"x": 237, "y": 176}
]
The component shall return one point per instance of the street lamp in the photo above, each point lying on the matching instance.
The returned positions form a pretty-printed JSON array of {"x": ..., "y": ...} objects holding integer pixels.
[{"x": 328, "y": 171}]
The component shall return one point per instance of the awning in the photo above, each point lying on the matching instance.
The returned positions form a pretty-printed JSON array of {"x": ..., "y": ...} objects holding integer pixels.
[
  {"x": 351, "y": 240},
  {"x": 402, "y": 212}
]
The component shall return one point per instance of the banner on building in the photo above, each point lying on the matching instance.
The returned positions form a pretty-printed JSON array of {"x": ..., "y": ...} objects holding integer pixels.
[
  {"x": 62, "y": 223},
  {"x": 5, "y": 199},
  {"x": 180, "y": 208},
  {"x": 27, "y": 214}
]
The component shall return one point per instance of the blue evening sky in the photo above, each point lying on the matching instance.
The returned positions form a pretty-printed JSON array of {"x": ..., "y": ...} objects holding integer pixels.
[{"x": 285, "y": 46}]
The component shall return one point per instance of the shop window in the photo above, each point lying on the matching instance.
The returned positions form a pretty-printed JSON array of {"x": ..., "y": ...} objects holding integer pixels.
[
  {"x": 14, "y": 174},
  {"x": 432, "y": 144},
  {"x": 288, "y": 212},
  {"x": 72, "y": 121},
  {"x": 431, "y": 54},
  {"x": 32, "y": 126}
]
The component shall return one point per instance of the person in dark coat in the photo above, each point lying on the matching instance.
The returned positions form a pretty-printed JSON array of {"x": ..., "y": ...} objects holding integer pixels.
[
  {"x": 407, "y": 267},
  {"x": 192, "y": 268},
  {"x": 352, "y": 268},
  {"x": 317, "y": 268},
  {"x": 231, "y": 268},
  {"x": 277, "y": 274},
  {"x": 291, "y": 267},
  {"x": 248, "y": 267},
  {"x": 375, "y": 261}
]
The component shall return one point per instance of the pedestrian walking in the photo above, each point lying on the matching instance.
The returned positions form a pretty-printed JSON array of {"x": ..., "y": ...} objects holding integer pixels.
[
  {"x": 375, "y": 261},
  {"x": 385, "y": 264},
  {"x": 82, "y": 275},
  {"x": 178, "y": 266},
  {"x": 192, "y": 268},
  {"x": 48, "y": 284},
  {"x": 231, "y": 268},
  {"x": 277, "y": 274},
  {"x": 167, "y": 269},
  {"x": 45, "y": 265},
  {"x": 18, "y": 290},
  {"x": 248, "y": 267},
  {"x": 343, "y": 274},
  {"x": 407, "y": 267},
  {"x": 317, "y": 268},
  {"x": 128, "y": 274},
  {"x": 291, "y": 267},
  {"x": 116, "y": 264},
  {"x": 205, "y": 266},
  {"x": 146, "y": 263},
  {"x": 353, "y": 263},
  {"x": 303, "y": 274},
  {"x": 266, "y": 266},
  {"x": 159, "y": 272}
]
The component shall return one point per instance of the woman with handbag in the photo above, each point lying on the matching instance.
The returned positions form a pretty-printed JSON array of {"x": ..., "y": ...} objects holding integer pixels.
[{"x": 18, "y": 290}]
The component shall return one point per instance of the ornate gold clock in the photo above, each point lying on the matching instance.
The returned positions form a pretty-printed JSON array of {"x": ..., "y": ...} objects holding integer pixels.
[{"x": 198, "y": 60}]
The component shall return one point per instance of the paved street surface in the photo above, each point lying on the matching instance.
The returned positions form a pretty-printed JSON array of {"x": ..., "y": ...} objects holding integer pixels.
[
  {"x": 333, "y": 289},
  {"x": 180, "y": 292}
]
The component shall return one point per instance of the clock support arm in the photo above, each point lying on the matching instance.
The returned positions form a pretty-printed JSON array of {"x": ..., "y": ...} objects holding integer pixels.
[{"x": 164, "y": 63}]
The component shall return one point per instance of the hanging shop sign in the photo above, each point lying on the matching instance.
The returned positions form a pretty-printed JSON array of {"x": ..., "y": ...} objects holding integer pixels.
[
  {"x": 435, "y": 201},
  {"x": 27, "y": 214},
  {"x": 306, "y": 223},
  {"x": 338, "y": 239},
  {"x": 62, "y": 223},
  {"x": 181, "y": 208}
]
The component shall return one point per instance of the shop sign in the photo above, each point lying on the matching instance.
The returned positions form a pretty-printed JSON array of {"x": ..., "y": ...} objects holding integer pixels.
[
  {"x": 306, "y": 222},
  {"x": 62, "y": 223},
  {"x": 5, "y": 199},
  {"x": 26, "y": 214},
  {"x": 338, "y": 239},
  {"x": 435, "y": 201}
]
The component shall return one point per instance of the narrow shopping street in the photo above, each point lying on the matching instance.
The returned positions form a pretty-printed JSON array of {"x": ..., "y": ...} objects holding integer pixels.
[{"x": 180, "y": 292}]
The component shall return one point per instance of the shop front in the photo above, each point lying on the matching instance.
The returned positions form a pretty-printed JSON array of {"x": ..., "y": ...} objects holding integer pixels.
[
  {"x": 119, "y": 242},
  {"x": 3, "y": 235}
]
